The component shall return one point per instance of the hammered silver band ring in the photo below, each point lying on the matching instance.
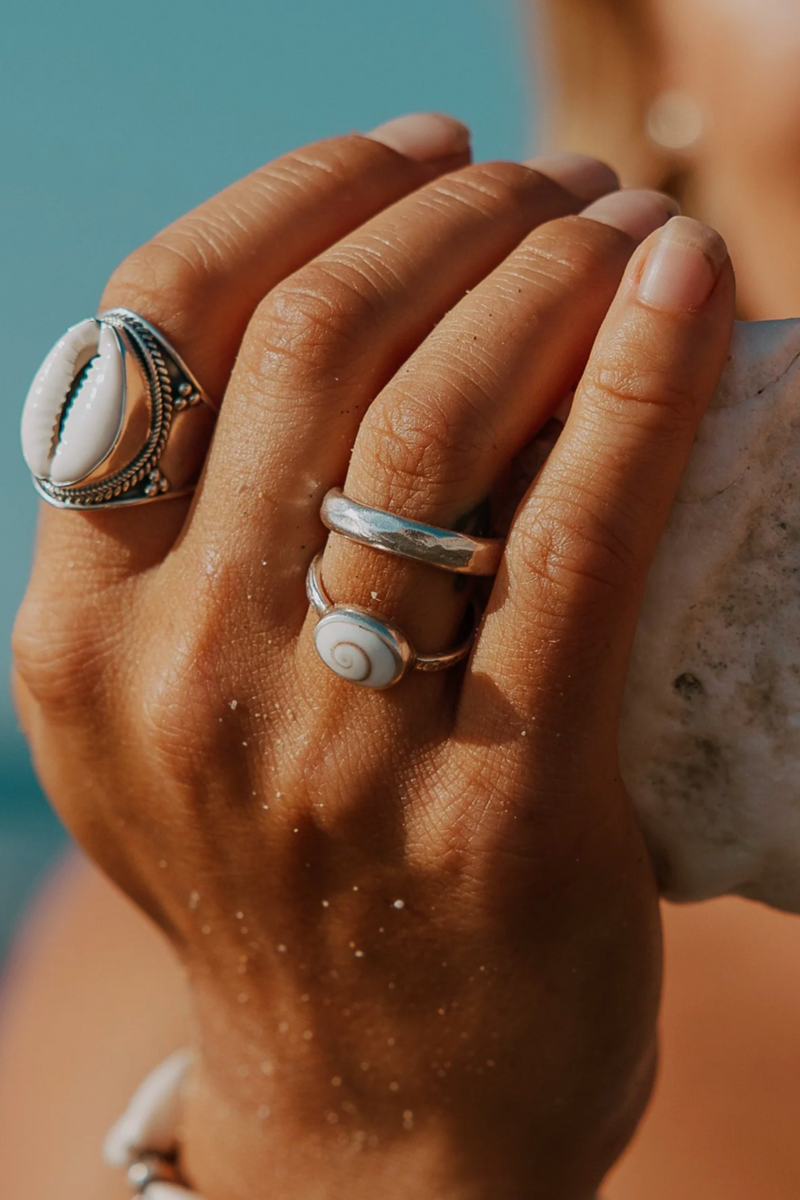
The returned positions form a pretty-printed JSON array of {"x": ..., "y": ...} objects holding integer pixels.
[
  {"x": 367, "y": 649},
  {"x": 115, "y": 417},
  {"x": 445, "y": 548}
]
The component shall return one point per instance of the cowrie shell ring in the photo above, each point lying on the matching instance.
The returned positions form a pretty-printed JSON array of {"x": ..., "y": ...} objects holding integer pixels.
[
  {"x": 115, "y": 417},
  {"x": 366, "y": 649}
]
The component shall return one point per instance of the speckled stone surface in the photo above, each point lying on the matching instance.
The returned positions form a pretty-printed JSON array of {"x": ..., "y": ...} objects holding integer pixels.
[{"x": 710, "y": 736}]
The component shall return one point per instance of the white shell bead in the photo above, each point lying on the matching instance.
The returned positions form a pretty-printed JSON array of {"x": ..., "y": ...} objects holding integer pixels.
[
  {"x": 169, "y": 1191},
  {"x": 151, "y": 1120},
  {"x": 356, "y": 651},
  {"x": 92, "y": 425}
]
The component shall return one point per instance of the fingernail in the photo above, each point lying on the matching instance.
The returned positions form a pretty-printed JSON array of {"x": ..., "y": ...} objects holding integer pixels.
[
  {"x": 683, "y": 266},
  {"x": 425, "y": 137},
  {"x": 637, "y": 213},
  {"x": 585, "y": 177}
]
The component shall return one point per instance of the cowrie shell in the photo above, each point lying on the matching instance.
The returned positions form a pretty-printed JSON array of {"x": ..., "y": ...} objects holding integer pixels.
[
  {"x": 68, "y": 430},
  {"x": 359, "y": 649}
]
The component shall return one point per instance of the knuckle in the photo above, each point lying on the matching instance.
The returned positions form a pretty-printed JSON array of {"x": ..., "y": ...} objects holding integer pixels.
[
  {"x": 159, "y": 276},
  {"x": 60, "y": 658},
  {"x": 632, "y": 384},
  {"x": 489, "y": 187},
  {"x": 565, "y": 250},
  {"x": 309, "y": 171},
  {"x": 409, "y": 445},
  {"x": 476, "y": 368},
  {"x": 180, "y": 703},
  {"x": 191, "y": 692},
  {"x": 309, "y": 324},
  {"x": 576, "y": 554}
]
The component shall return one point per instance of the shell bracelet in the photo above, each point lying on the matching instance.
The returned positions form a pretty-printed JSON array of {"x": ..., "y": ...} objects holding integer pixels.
[{"x": 144, "y": 1141}]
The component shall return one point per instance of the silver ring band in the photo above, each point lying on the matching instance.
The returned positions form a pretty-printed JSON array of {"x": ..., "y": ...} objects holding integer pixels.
[
  {"x": 445, "y": 548},
  {"x": 115, "y": 417},
  {"x": 151, "y": 1168},
  {"x": 366, "y": 649}
]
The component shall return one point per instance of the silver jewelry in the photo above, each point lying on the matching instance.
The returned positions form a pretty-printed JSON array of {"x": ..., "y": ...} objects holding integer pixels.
[
  {"x": 114, "y": 417},
  {"x": 410, "y": 539},
  {"x": 151, "y": 1168},
  {"x": 366, "y": 649}
]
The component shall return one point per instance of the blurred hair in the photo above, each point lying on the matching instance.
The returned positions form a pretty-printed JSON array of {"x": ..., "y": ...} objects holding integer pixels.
[{"x": 603, "y": 77}]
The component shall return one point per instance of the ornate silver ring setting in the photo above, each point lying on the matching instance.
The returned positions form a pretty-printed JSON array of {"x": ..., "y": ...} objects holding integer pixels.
[
  {"x": 445, "y": 548},
  {"x": 115, "y": 417},
  {"x": 366, "y": 649}
]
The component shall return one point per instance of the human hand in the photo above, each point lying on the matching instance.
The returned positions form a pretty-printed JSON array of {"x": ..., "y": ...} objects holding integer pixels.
[{"x": 420, "y": 925}]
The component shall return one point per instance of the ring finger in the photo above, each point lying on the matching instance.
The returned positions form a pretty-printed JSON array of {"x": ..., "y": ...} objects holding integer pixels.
[
  {"x": 433, "y": 444},
  {"x": 323, "y": 345}
]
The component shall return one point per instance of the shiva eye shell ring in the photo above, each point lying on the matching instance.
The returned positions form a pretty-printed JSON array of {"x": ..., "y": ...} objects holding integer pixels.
[
  {"x": 365, "y": 648},
  {"x": 115, "y": 417}
]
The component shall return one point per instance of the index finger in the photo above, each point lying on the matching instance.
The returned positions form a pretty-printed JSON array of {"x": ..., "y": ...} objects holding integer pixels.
[
  {"x": 559, "y": 628},
  {"x": 201, "y": 278}
]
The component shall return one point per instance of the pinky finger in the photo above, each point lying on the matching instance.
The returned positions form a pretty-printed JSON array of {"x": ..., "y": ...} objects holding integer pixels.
[{"x": 559, "y": 629}]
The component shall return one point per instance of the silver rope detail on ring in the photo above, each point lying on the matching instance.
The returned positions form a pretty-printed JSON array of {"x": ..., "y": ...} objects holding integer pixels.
[{"x": 102, "y": 424}]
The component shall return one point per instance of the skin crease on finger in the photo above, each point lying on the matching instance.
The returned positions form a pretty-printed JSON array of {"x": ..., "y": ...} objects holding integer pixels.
[{"x": 241, "y": 855}]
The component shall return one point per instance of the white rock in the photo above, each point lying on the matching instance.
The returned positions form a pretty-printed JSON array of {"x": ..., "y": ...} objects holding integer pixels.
[{"x": 710, "y": 736}]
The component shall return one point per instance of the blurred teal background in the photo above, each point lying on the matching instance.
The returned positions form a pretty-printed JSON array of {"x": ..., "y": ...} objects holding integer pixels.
[{"x": 118, "y": 118}]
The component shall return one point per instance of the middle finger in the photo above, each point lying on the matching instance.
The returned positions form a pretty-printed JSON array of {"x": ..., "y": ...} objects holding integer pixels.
[
  {"x": 434, "y": 444},
  {"x": 324, "y": 343}
]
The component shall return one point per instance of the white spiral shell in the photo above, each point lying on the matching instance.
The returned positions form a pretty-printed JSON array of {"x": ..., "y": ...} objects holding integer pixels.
[
  {"x": 358, "y": 650},
  {"x": 66, "y": 449}
]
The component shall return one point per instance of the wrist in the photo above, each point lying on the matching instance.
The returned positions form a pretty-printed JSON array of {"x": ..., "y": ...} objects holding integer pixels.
[
  {"x": 261, "y": 1142},
  {"x": 176, "y": 1128},
  {"x": 228, "y": 1157},
  {"x": 370, "y": 1108}
]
